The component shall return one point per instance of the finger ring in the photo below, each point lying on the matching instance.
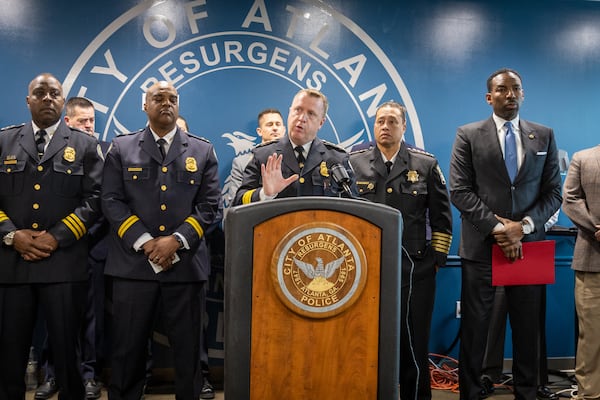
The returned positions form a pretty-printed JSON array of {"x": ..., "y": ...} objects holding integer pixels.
[{"x": 156, "y": 260}]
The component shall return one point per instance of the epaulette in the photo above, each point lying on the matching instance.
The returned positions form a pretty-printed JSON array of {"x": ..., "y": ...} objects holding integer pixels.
[
  {"x": 198, "y": 137},
  {"x": 361, "y": 150},
  {"x": 267, "y": 143},
  {"x": 419, "y": 151},
  {"x": 332, "y": 145},
  {"x": 12, "y": 126},
  {"x": 73, "y": 129}
]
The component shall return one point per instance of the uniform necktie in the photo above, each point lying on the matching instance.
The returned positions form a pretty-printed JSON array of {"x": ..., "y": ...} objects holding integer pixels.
[
  {"x": 301, "y": 159},
  {"x": 510, "y": 152},
  {"x": 388, "y": 165},
  {"x": 40, "y": 142},
  {"x": 161, "y": 146}
]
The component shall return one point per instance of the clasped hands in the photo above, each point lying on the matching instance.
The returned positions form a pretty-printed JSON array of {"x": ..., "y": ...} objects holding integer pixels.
[
  {"x": 509, "y": 238},
  {"x": 161, "y": 250},
  {"x": 34, "y": 245}
]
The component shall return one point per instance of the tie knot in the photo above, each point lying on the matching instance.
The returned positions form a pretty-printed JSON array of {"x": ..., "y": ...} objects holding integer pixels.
[
  {"x": 508, "y": 126},
  {"x": 300, "y": 151},
  {"x": 388, "y": 165},
  {"x": 40, "y": 141}
]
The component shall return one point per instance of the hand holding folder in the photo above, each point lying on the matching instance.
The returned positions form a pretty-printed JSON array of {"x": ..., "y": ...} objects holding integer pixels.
[{"x": 535, "y": 268}]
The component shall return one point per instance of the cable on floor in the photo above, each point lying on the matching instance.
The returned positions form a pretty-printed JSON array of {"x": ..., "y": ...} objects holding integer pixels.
[{"x": 443, "y": 371}]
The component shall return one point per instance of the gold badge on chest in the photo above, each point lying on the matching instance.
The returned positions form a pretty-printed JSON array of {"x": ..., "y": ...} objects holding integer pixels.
[
  {"x": 190, "y": 164},
  {"x": 69, "y": 154},
  {"x": 412, "y": 176},
  {"x": 324, "y": 171}
]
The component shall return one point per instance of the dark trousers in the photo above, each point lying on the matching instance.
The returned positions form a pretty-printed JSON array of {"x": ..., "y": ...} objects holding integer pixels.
[
  {"x": 524, "y": 304},
  {"x": 63, "y": 306},
  {"x": 415, "y": 326},
  {"x": 493, "y": 361},
  {"x": 135, "y": 303},
  {"x": 91, "y": 344}
]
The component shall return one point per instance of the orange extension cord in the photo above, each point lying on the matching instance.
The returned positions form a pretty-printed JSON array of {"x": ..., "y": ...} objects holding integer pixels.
[{"x": 443, "y": 372}]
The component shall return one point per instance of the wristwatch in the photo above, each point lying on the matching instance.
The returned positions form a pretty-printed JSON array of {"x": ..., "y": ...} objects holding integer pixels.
[
  {"x": 180, "y": 241},
  {"x": 526, "y": 227},
  {"x": 9, "y": 238}
]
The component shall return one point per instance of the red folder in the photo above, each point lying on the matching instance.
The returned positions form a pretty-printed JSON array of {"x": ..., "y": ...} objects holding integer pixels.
[{"x": 536, "y": 267}]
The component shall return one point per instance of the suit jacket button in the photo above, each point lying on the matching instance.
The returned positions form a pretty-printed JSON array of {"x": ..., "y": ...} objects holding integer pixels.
[{"x": 389, "y": 190}]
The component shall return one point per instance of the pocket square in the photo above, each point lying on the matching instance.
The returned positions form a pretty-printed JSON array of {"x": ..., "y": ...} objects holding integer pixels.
[{"x": 541, "y": 153}]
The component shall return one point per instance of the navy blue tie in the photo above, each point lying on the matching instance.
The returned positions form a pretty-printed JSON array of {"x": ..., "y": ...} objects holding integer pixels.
[
  {"x": 510, "y": 152},
  {"x": 40, "y": 142},
  {"x": 161, "y": 146}
]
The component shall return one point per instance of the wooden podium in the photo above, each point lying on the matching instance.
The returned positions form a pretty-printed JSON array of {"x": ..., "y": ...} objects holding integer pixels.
[{"x": 312, "y": 300}]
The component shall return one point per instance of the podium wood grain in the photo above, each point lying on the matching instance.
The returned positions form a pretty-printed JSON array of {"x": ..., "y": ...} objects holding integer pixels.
[{"x": 297, "y": 357}]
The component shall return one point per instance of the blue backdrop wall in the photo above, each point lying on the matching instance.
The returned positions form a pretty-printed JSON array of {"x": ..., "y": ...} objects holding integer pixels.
[{"x": 230, "y": 59}]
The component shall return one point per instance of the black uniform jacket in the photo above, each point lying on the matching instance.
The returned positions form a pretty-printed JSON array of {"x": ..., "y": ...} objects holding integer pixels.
[
  {"x": 59, "y": 193},
  {"x": 416, "y": 187},
  {"x": 314, "y": 180},
  {"x": 141, "y": 193}
]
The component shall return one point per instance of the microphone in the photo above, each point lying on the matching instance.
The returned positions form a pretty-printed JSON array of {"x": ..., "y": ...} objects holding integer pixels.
[{"x": 340, "y": 176}]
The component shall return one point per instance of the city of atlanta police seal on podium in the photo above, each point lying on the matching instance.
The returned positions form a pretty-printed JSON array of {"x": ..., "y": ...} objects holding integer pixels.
[{"x": 318, "y": 269}]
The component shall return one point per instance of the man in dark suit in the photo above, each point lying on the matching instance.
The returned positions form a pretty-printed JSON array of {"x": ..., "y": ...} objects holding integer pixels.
[
  {"x": 298, "y": 163},
  {"x": 411, "y": 181},
  {"x": 505, "y": 181},
  {"x": 50, "y": 178},
  {"x": 160, "y": 195}
]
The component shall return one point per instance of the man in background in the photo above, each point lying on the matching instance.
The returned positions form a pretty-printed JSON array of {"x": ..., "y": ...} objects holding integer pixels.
[
  {"x": 270, "y": 127},
  {"x": 80, "y": 114}
]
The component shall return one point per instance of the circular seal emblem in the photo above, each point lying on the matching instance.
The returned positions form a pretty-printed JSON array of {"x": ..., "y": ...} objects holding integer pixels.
[
  {"x": 229, "y": 63},
  {"x": 319, "y": 270}
]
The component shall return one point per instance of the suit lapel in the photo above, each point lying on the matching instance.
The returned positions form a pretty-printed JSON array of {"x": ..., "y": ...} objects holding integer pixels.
[
  {"x": 59, "y": 141},
  {"x": 177, "y": 148},
  {"x": 401, "y": 164},
  {"x": 27, "y": 142},
  {"x": 490, "y": 132},
  {"x": 377, "y": 164},
  {"x": 529, "y": 143},
  {"x": 148, "y": 144},
  {"x": 314, "y": 156},
  {"x": 284, "y": 146}
]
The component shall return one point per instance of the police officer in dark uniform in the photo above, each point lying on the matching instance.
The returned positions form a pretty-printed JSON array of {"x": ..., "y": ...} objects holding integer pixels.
[
  {"x": 160, "y": 195},
  {"x": 297, "y": 164},
  {"x": 50, "y": 177},
  {"x": 411, "y": 181}
]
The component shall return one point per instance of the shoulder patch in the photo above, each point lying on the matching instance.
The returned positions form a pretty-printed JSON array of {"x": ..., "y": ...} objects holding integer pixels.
[
  {"x": 12, "y": 126},
  {"x": 419, "y": 151},
  {"x": 333, "y": 146}
]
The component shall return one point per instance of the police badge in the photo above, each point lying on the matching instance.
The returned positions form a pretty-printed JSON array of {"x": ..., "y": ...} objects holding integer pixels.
[
  {"x": 412, "y": 176},
  {"x": 69, "y": 154},
  {"x": 190, "y": 164}
]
